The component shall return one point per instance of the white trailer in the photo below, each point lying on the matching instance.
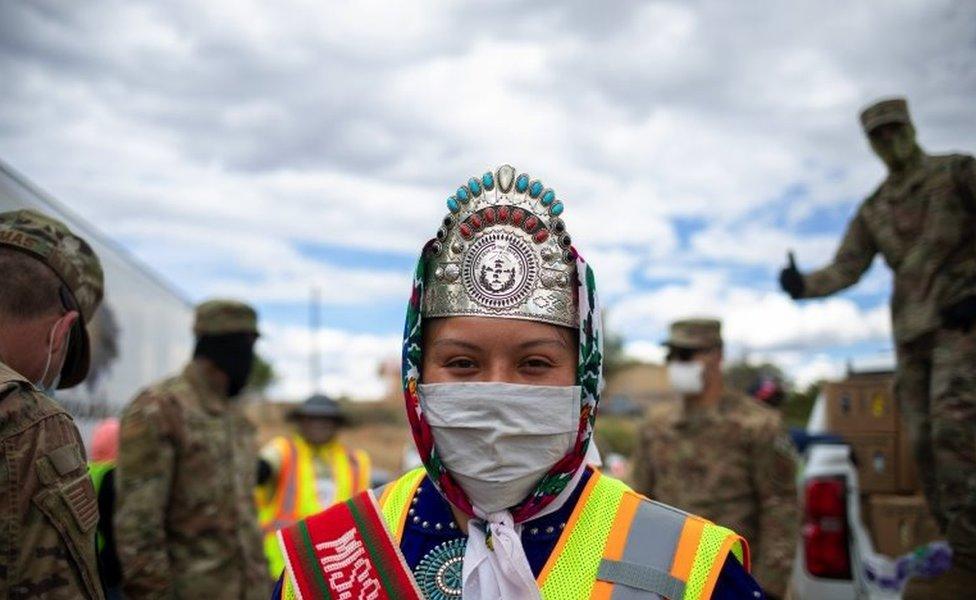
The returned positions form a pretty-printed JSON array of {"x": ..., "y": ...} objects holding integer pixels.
[{"x": 140, "y": 333}]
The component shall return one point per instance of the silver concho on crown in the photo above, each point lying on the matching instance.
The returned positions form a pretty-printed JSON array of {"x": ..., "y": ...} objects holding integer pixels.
[{"x": 503, "y": 251}]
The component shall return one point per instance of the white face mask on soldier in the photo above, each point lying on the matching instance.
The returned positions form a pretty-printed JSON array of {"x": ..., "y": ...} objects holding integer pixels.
[
  {"x": 499, "y": 439},
  {"x": 686, "y": 377}
]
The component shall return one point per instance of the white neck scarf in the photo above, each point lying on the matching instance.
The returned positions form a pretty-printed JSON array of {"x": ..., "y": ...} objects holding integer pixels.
[{"x": 503, "y": 572}]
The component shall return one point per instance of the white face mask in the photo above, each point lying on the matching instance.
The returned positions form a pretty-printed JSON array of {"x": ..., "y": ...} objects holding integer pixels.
[
  {"x": 686, "y": 377},
  {"x": 499, "y": 439},
  {"x": 39, "y": 384}
]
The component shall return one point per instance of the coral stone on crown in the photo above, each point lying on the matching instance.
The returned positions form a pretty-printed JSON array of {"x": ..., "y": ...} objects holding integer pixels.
[{"x": 502, "y": 251}]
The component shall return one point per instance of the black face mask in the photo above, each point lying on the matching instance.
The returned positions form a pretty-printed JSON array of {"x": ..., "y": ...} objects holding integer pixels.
[{"x": 232, "y": 353}]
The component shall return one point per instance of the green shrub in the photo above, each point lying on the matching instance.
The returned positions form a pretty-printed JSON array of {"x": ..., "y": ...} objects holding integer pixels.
[{"x": 617, "y": 434}]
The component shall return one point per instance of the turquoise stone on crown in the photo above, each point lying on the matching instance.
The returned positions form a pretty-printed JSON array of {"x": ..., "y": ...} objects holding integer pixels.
[
  {"x": 501, "y": 252},
  {"x": 503, "y": 180},
  {"x": 535, "y": 189}
]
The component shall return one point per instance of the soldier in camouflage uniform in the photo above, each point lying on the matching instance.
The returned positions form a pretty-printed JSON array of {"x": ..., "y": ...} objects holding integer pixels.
[
  {"x": 50, "y": 285},
  {"x": 722, "y": 455},
  {"x": 186, "y": 522},
  {"x": 922, "y": 219}
]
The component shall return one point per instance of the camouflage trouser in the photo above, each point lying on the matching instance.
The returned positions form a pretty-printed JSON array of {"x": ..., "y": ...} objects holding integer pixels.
[{"x": 936, "y": 388}]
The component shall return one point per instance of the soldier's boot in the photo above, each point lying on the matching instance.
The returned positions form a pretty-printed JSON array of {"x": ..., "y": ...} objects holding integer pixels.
[{"x": 957, "y": 582}]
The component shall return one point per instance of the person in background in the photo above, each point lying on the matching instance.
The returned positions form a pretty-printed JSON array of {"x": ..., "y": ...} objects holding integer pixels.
[
  {"x": 186, "y": 525},
  {"x": 721, "y": 454},
  {"x": 922, "y": 220},
  {"x": 502, "y": 371},
  {"x": 105, "y": 451},
  {"x": 302, "y": 474},
  {"x": 51, "y": 283},
  {"x": 768, "y": 390}
]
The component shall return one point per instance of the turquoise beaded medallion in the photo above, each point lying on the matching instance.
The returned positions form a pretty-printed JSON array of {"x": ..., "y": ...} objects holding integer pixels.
[{"x": 440, "y": 572}]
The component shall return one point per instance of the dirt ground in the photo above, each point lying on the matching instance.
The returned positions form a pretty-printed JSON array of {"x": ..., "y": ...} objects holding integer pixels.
[{"x": 385, "y": 444}]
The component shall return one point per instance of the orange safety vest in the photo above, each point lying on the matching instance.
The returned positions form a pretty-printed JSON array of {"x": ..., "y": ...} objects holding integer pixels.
[
  {"x": 616, "y": 543},
  {"x": 295, "y": 494}
]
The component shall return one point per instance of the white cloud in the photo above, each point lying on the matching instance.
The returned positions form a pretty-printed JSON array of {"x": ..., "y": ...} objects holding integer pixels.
[
  {"x": 350, "y": 363},
  {"x": 752, "y": 319},
  {"x": 218, "y": 139},
  {"x": 804, "y": 368},
  {"x": 772, "y": 320},
  {"x": 651, "y": 352},
  {"x": 256, "y": 266},
  {"x": 615, "y": 268},
  {"x": 762, "y": 245}
]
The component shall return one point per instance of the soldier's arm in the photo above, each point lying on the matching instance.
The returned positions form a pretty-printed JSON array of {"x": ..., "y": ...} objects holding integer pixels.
[
  {"x": 48, "y": 507},
  {"x": 774, "y": 479},
  {"x": 851, "y": 260},
  {"x": 642, "y": 471},
  {"x": 964, "y": 173},
  {"x": 269, "y": 468},
  {"x": 143, "y": 481}
]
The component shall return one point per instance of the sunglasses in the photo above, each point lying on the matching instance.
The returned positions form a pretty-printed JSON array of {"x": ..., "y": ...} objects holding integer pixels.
[{"x": 683, "y": 354}]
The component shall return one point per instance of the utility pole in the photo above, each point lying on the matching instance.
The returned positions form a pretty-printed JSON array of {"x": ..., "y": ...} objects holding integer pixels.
[{"x": 314, "y": 359}]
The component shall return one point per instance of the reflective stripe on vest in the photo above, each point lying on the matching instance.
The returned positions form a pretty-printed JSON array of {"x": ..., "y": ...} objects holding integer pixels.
[
  {"x": 295, "y": 495},
  {"x": 285, "y": 495},
  {"x": 660, "y": 549},
  {"x": 616, "y": 545},
  {"x": 296, "y": 492}
]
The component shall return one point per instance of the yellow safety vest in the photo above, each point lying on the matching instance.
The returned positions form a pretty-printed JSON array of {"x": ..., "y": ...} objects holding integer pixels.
[
  {"x": 295, "y": 495},
  {"x": 97, "y": 470},
  {"x": 614, "y": 537}
]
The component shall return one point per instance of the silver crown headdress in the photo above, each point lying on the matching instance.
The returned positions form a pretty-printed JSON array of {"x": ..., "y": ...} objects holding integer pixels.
[{"x": 503, "y": 251}]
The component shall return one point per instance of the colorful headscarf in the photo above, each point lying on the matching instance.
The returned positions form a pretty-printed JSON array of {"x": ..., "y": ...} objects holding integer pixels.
[{"x": 589, "y": 376}]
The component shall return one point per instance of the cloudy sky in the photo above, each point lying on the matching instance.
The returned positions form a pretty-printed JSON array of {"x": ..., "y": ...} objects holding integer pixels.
[{"x": 259, "y": 149}]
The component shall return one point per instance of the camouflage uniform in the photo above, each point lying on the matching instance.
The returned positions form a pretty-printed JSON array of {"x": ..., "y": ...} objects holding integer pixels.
[
  {"x": 186, "y": 522},
  {"x": 923, "y": 222},
  {"x": 48, "y": 510},
  {"x": 732, "y": 464}
]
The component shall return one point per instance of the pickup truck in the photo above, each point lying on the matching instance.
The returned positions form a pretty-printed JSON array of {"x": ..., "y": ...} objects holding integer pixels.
[{"x": 836, "y": 558}]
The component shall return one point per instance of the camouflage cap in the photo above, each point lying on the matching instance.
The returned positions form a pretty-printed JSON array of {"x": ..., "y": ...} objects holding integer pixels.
[
  {"x": 217, "y": 317},
  {"x": 891, "y": 110},
  {"x": 696, "y": 334},
  {"x": 74, "y": 262}
]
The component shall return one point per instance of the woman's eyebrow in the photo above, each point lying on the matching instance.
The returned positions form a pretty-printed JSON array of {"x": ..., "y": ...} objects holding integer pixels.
[
  {"x": 455, "y": 342},
  {"x": 542, "y": 342}
]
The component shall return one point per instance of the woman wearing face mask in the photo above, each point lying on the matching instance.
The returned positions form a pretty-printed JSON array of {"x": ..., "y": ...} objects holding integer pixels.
[{"x": 502, "y": 368}]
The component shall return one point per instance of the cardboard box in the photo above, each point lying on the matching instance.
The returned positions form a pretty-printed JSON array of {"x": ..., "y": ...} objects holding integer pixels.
[
  {"x": 860, "y": 406},
  {"x": 908, "y": 482},
  {"x": 876, "y": 457},
  {"x": 865, "y": 506},
  {"x": 900, "y": 523}
]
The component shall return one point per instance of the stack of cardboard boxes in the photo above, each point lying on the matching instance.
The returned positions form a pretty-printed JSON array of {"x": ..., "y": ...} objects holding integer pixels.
[{"x": 863, "y": 411}]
